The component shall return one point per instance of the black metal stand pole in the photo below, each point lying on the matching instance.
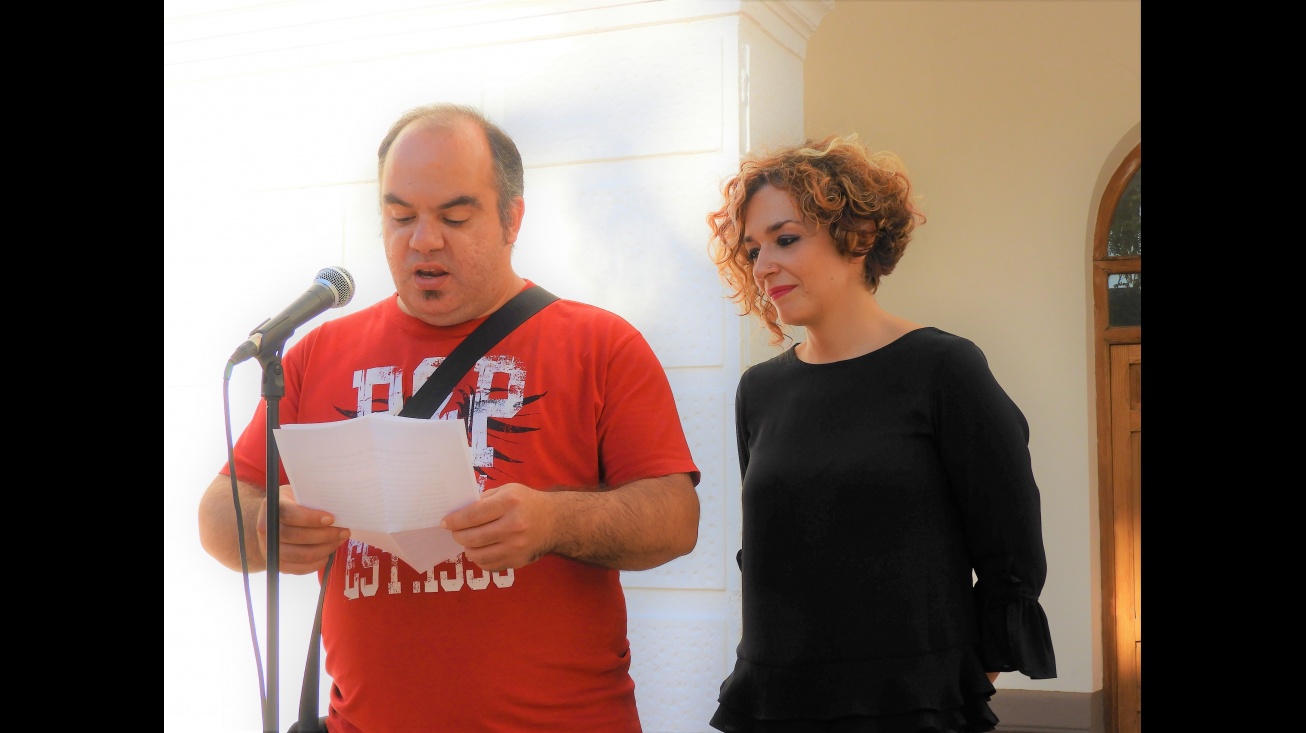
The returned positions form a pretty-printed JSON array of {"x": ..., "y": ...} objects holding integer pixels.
[{"x": 274, "y": 387}]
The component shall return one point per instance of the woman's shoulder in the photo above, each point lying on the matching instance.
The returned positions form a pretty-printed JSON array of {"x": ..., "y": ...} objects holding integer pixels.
[
  {"x": 942, "y": 344},
  {"x": 786, "y": 359},
  {"x": 933, "y": 336}
]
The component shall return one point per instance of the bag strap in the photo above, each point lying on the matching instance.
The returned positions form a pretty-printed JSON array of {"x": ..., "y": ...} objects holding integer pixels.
[
  {"x": 494, "y": 329},
  {"x": 423, "y": 404}
]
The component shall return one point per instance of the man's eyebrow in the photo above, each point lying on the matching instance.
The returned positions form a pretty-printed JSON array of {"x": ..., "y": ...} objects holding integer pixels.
[{"x": 390, "y": 198}]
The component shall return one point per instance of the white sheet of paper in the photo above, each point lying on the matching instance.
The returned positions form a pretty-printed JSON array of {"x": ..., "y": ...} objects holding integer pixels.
[{"x": 389, "y": 479}]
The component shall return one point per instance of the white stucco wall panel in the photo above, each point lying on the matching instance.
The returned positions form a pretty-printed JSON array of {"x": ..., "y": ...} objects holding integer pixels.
[
  {"x": 284, "y": 229},
  {"x": 705, "y": 567},
  {"x": 302, "y": 127},
  {"x": 622, "y": 94},
  {"x": 774, "y": 116},
  {"x": 677, "y": 670},
  {"x": 630, "y": 236}
]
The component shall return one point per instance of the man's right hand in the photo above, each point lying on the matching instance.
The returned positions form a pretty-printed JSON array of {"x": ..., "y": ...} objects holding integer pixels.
[{"x": 306, "y": 536}]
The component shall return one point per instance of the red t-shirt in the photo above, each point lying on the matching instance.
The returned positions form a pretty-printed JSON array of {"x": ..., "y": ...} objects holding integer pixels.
[{"x": 573, "y": 398}]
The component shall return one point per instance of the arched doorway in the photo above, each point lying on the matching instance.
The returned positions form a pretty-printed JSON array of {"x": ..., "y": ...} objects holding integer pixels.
[{"x": 1117, "y": 318}]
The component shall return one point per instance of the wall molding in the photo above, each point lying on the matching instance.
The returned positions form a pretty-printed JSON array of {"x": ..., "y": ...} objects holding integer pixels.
[{"x": 1038, "y": 711}]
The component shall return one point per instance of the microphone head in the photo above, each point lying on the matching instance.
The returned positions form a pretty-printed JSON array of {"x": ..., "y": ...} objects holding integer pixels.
[{"x": 340, "y": 282}]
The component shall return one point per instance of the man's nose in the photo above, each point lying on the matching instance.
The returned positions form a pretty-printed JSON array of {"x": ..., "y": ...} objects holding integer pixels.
[{"x": 428, "y": 235}]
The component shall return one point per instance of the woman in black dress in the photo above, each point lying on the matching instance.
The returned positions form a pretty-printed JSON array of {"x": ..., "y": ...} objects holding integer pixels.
[{"x": 892, "y": 554}]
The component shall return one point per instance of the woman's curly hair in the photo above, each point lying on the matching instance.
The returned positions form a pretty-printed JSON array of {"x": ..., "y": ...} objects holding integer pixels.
[{"x": 863, "y": 199}]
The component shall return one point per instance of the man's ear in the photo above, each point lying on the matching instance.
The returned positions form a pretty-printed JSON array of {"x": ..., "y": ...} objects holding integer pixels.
[{"x": 517, "y": 211}]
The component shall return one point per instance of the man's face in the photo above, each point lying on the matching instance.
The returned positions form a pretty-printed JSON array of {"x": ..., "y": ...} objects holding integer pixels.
[{"x": 449, "y": 254}]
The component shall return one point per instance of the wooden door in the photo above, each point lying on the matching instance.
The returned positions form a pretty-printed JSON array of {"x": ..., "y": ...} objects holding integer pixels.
[{"x": 1127, "y": 492}]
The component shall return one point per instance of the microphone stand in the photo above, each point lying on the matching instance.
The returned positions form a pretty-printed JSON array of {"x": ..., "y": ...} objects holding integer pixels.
[
  {"x": 333, "y": 288},
  {"x": 274, "y": 387}
]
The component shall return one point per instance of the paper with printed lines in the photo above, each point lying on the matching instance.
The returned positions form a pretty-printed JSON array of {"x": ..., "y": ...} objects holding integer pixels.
[{"x": 388, "y": 479}]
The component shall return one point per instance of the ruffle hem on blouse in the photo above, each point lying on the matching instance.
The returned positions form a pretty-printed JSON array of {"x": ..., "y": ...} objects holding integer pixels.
[{"x": 944, "y": 691}]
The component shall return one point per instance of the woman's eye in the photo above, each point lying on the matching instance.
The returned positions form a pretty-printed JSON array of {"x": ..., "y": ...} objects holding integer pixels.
[
  {"x": 752, "y": 254},
  {"x": 786, "y": 241}
]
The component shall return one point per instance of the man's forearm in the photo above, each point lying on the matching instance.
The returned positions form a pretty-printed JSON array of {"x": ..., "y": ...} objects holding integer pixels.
[
  {"x": 637, "y": 526},
  {"x": 217, "y": 523}
]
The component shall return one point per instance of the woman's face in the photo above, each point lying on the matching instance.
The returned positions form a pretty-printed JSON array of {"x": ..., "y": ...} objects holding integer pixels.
[{"x": 795, "y": 261}]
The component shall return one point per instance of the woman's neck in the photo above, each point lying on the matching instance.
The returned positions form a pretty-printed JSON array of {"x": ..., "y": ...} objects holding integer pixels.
[{"x": 855, "y": 331}]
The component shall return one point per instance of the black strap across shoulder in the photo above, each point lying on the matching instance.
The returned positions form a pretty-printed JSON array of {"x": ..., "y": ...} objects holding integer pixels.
[
  {"x": 423, "y": 404},
  {"x": 494, "y": 329}
]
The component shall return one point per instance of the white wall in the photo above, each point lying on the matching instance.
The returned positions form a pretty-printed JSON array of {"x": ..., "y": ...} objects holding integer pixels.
[
  {"x": 1007, "y": 113},
  {"x": 628, "y": 115}
]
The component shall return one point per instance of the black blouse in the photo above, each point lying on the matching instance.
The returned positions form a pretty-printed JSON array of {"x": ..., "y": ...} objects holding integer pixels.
[{"x": 872, "y": 489}]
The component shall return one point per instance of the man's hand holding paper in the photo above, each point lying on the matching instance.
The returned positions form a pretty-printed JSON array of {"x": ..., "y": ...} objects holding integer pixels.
[
  {"x": 308, "y": 537},
  {"x": 388, "y": 479}
]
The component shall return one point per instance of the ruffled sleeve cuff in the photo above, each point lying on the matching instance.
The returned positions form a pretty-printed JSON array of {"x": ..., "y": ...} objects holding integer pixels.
[{"x": 1015, "y": 638}]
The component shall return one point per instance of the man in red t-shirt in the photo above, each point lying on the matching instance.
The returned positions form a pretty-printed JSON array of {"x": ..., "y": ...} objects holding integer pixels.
[{"x": 583, "y": 464}]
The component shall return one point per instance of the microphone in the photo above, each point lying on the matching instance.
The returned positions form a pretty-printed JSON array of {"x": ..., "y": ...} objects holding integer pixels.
[{"x": 333, "y": 288}]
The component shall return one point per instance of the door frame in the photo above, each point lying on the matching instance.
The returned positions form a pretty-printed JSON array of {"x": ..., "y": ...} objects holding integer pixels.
[{"x": 1120, "y": 536}]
